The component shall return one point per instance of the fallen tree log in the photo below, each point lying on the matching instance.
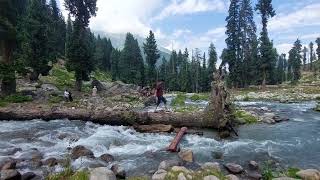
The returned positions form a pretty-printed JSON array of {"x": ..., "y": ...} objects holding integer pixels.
[{"x": 174, "y": 144}]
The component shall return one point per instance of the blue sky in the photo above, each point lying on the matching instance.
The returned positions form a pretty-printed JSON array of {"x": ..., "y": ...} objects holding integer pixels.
[{"x": 180, "y": 24}]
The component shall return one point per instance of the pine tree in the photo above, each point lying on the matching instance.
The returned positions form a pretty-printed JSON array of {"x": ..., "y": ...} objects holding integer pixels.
[
  {"x": 281, "y": 68},
  {"x": 305, "y": 50},
  {"x": 173, "y": 72},
  {"x": 267, "y": 57},
  {"x": 115, "y": 58},
  {"x": 212, "y": 61},
  {"x": 152, "y": 56},
  {"x": 9, "y": 12},
  {"x": 311, "y": 56},
  {"x": 295, "y": 61},
  {"x": 318, "y": 48},
  {"x": 80, "y": 53}
]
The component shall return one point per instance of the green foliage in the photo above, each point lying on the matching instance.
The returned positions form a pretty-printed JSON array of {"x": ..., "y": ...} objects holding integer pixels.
[
  {"x": 179, "y": 100},
  {"x": 292, "y": 172},
  {"x": 69, "y": 174},
  {"x": 199, "y": 97},
  {"x": 115, "y": 58},
  {"x": 55, "y": 99},
  {"x": 102, "y": 54},
  {"x": 248, "y": 118},
  {"x": 186, "y": 109},
  {"x": 15, "y": 98},
  {"x": 267, "y": 172},
  {"x": 246, "y": 98},
  {"x": 102, "y": 75},
  {"x": 60, "y": 77},
  {"x": 294, "y": 62}
]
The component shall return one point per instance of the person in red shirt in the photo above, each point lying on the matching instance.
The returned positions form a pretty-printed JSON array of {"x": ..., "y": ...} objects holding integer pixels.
[{"x": 159, "y": 94}]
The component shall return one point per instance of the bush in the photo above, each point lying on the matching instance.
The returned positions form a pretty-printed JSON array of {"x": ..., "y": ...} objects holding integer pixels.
[
  {"x": 199, "y": 97},
  {"x": 292, "y": 172},
  {"x": 55, "y": 99},
  {"x": 179, "y": 100},
  {"x": 246, "y": 98},
  {"x": 14, "y": 99}
]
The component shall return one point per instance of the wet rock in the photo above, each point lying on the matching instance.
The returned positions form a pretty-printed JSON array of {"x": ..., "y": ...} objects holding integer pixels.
[
  {"x": 107, "y": 158},
  {"x": 159, "y": 175},
  {"x": 28, "y": 176},
  {"x": 234, "y": 168},
  {"x": 80, "y": 151},
  {"x": 180, "y": 169},
  {"x": 102, "y": 173},
  {"x": 36, "y": 163},
  {"x": 264, "y": 109},
  {"x": 62, "y": 136},
  {"x": 254, "y": 175},
  {"x": 9, "y": 165},
  {"x": 4, "y": 160},
  {"x": 181, "y": 177},
  {"x": 217, "y": 155},
  {"x": 32, "y": 154},
  {"x": 167, "y": 164},
  {"x": 12, "y": 151},
  {"x": 284, "y": 178},
  {"x": 210, "y": 165},
  {"x": 118, "y": 171},
  {"x": 232, "y": 177},
  {"x": 224, "y": 134},
  {"x": 253, "y": 165},
  {"x": 186, "y": 155},
  {"x": 211, "y": 177},
  {"x": 154, "y": 128},
  {"x": 192, "y": 165},
  {"x": 309, "y": 174},
  {"x": 51, "y": 162},
  {"x": 268, "y": 118},
  {"x": 10, "y": 174}
]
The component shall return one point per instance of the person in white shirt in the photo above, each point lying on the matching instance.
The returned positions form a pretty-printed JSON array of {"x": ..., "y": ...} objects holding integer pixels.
[{"x": 66, "y": 95}]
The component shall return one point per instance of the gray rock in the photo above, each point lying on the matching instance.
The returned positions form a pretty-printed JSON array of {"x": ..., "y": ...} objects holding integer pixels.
[
  {"x": 309, "y": 174},
  {"x": 210, "y": 165},
  {"x": 268, "y": 118},
  {"x": 186, "y": 155},
  {"x": 118, "y": 171},
  {"x": 80, "y": 151},
  {"x": 107, "y": 158},
  {"x": 167, "y": 164},
  {"x": 232, "y": 177},
  {"x": 253, "y": 165},
  {"x": 51, "y": 162},
  {"x": 28, "y": 176},
  {"x": 217, "y": 155},
  {"x": 102, "y": 173},
  {"x": 234, "y": 168},
  {"x": 211, "y": 177},
  {"x": 180, "y": 169},
  {"x": 10, "y": 174},
  {"x": 181, "y": 177},
  {"x": 284, "y": 178},
  {"x": 32, "y": 154},
  {"x": 49, "y": 87},
  {"x": 254, "y": 175},
  {"x": 9, "y": 165},
  {"x": 159, "y": 175},
  {"x": 12, "y": 151}
]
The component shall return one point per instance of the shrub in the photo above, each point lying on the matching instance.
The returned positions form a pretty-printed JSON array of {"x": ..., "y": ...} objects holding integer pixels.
[
  {"x": 292, "y": 172},
  {"x": 199, "y": 97},
  {"x": 179, "y": 100},
  {"x": 14, "y": 99}
]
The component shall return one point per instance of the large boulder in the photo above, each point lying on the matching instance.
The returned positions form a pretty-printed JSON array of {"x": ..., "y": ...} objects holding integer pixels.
[
  {"x": 210, "y": 165},
  {"x": 180, "y": 169},
  {"x": 51, "y": 162},
  {"x": 186, "y": 155},
  {"x": 28, "y": 176},
  {"x": 211, "y": 177},
  {"x": 102, "y": 173},
  {"x": 309, "y": 174},
  {"x": 159, "y": 175},
  {"x": 268, "y": 118},
  {"x": 232, "y": 177},
  {"x": 80, "y": 151},
  {"x": 10, "y": 174},
  {"x": 234, "y": 168},
  {"x": 154, "y": 128},
  {"x": 253, "y": 165},
  {"x": 9, "y": 165},
  {"x": 107, "y": 158},
  {"x": 167, "y": 164},
  {"x": 181, "y": 177}
]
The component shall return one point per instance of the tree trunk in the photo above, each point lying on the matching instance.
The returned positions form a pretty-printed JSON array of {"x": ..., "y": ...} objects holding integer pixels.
[
  {"x": 8, "y": 84},
  {"x": 78, "y": 85}
]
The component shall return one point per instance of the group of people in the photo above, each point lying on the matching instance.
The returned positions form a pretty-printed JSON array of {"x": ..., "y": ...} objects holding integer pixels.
[{"x": 68, "y": 96}]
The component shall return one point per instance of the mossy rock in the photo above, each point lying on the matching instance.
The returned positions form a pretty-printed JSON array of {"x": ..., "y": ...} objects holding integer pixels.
[{"x": 245, "y": 117}]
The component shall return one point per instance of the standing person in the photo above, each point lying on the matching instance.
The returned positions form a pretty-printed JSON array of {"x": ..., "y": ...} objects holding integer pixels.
[
  {"x": 94, "y": 91},
  {"x": 159, "y": 94},
  {"x": 66, "y": 95},
  {"x": 70, "y": 96}
]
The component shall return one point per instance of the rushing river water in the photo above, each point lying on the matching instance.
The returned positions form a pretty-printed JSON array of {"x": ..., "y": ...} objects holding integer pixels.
[{"x": 294, "y": 143}]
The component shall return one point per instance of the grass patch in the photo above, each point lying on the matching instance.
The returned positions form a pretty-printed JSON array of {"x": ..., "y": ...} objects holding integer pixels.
[
  {"x": 55, "y": 99},
  {"x": 102, "y": 75},
  {"x": 179, "y": 100},
  {"x": 199, "y": 97},
  {"x": 186, "y": 109},
  {"x": 14, "y": 99},
  {"x": 267, "y": 172},
  {"x": 248, "y": 118},
  {"x": 246, "y": 98},
  {"x": 60, "y": 77},
  {"x": 292, "y": 172}
]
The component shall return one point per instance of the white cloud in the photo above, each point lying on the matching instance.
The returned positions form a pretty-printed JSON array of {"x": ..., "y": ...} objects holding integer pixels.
[
  {"x": 307, "y": 16},
  {"x": 182, "y": 7},
  {"x": 116, "y": 16}
]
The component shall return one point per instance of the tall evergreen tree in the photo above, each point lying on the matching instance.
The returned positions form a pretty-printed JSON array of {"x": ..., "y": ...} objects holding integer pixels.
[
  {"x": 9, "y": 12},
  {"x": 311, "y": 56},
  {"x": 305, "y": 51},
  {"x": 295, "y": 60},
  {"x": 115, "y": 58},
  {"x": 318, "y": 48},
  {"x": 267, "y": 57},
  {"x": 80, "y": 53},
  {"x": 152, "y": 55},
  {"x": 213, "y": 57}
]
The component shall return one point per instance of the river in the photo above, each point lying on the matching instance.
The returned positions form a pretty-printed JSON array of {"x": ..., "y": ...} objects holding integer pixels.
[{"x": 295, "y": 143}]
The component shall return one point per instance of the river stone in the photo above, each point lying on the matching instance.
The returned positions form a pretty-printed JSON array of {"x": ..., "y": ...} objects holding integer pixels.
[
  {"x": 12, "y": 151},
  {"x": 159, "y": 175},
  {"x": 211, "y": 177},
  {"x": 9, "y": 165},
  {"x": 232, "y": 177},
  {"x": 254, "y": 175},
  {"x": 167, "y": 164},
  {"x": 217, "y": 155},
  {"x": 102, "y": 173},
  {"x": 180, "y": 169},
  {"x": 118, "y": 171},
  {"x": 154, "y": 128},
  {"x": 253, "y": 165},
  {"x": 79, "y": 151},
  {"x": 49, "y": 87},
  {"x": 181, "y": 177},
  {"x": 107, "y": 158},
  {"x": 309, "y": 174},
  {"x": 210, "y": 165},
  {"x": 268, "y": 118},
  {"x": 234, "y": 168},
  {"x": 28, "y": 176},
  {"x": 51, "y": 162},
  {"x": 10, "y": 174},
  {"x": 186, "y": 155},
  {"x": 32, "y": 154},
  {"x": 284, "y": 178}
]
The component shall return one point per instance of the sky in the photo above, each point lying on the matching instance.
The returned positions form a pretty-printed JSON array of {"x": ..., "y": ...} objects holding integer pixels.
[{"x": 180, "y": 24}]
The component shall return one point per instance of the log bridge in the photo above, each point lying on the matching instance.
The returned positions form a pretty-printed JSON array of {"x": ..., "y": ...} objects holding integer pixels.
[{"x": 174, "y": 144}]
